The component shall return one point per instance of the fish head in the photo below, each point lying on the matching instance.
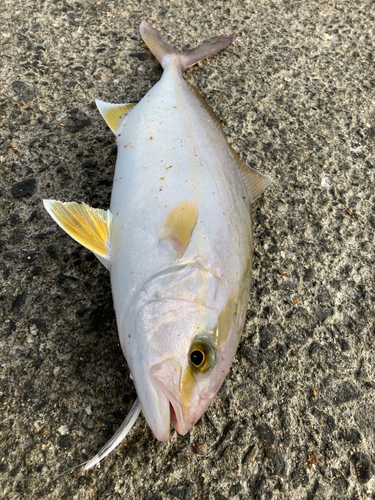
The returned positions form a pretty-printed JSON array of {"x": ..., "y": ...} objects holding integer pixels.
[{"x": 185, "y": 325}]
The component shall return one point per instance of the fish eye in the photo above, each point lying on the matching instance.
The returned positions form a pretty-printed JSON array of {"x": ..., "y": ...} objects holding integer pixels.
[
  {"x": 197, "y": 357},
  {"x": 202, "y": 356}
]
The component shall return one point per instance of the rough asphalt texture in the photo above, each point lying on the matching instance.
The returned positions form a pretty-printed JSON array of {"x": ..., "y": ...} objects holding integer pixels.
[{"x": 295, "y": 418}]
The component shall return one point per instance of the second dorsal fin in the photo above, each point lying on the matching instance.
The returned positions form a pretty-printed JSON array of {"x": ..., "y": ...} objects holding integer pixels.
[
  {"x": 114, "y": 114},
  {"x": 255, "y": 182}
]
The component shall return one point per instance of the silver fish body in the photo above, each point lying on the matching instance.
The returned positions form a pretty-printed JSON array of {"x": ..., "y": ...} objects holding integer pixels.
[
  {"x": 177, "y": 240},
  {"x": 172, "y": 149}
]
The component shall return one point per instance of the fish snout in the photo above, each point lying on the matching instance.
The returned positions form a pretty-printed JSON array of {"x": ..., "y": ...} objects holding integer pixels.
[{"x": 167, "y": 375}]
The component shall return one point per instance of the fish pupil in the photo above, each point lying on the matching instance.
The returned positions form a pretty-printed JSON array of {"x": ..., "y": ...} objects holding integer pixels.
[{"x": 197, "y": 357}]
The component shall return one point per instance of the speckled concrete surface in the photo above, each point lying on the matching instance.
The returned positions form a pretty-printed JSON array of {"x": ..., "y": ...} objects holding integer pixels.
[{"x": 295, "y": 418}]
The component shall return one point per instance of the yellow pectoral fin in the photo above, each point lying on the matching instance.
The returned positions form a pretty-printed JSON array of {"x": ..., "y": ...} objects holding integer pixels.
[
  {"x": 113, "y": 114},
  {"x": 89, "y": 226},
  {"x": 179, "y": 225}
]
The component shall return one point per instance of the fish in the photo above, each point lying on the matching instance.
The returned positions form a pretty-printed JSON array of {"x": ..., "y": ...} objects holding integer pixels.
[{"x": 177, "y": 240}]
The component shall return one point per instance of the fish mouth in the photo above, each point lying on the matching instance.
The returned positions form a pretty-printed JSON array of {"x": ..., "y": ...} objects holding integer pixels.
[
  {"x": 177, "y": 417},
  {"x": 167, "y": 376},
  {"x": 156, "y": 409}
]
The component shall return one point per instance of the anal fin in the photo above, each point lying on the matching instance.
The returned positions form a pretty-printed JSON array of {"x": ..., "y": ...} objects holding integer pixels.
[
  {"x": 255, "y": 182},
  {"x": 89, "y": 226}
]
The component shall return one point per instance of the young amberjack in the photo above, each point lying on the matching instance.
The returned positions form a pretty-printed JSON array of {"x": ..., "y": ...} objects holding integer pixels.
[{"x": 177, "y": 241}]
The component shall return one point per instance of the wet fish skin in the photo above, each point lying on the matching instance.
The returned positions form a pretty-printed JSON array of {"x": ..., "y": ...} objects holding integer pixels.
[{"x": 177, "y": 241}]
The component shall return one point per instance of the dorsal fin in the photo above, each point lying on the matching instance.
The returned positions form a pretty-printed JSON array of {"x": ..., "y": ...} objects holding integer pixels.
[
  {"x": 208, "y": 109},
  {"x": 179, "y": 224},
  {"x": 255, "y": 182},
  {"x": 89, "y": 226},
  {"x": 114, "y": 114}
]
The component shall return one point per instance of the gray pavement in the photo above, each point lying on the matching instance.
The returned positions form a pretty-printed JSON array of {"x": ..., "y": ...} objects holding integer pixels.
[{"x": 295, "y": 418}]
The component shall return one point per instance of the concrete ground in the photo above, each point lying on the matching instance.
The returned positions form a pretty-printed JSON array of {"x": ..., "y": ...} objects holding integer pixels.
[{"x": 295, "y": 418}]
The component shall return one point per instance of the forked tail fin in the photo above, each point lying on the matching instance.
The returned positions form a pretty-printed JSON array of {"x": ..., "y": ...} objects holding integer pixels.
[{"x": 161, "y": 48}]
